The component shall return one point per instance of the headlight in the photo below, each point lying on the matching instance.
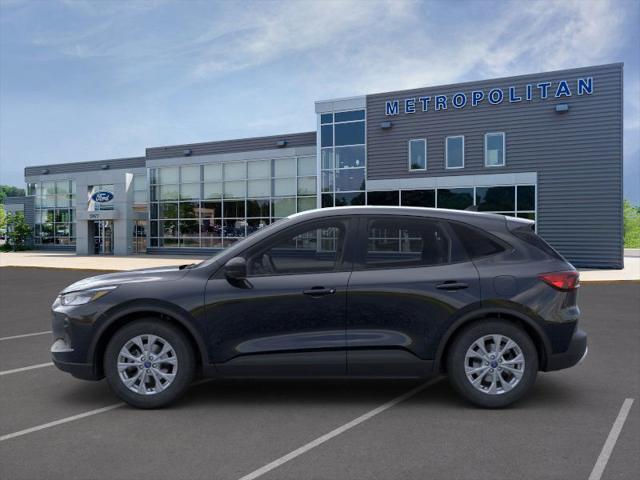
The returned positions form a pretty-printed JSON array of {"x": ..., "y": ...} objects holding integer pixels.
[{"x": 84, "y": 296}]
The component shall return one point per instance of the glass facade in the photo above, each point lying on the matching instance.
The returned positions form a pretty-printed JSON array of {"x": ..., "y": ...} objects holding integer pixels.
[
  {"x": 343, "y": 158},
  {"x": 513, "y": 200},
  {"x": 54, "y": 212},
  {"x": 140, "y": 228},
  {"x": 215, "y": 205}
]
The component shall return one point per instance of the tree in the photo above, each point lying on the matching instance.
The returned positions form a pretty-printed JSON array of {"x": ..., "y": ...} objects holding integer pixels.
[
  {"x": 631, "y": 225},
  {"x": 18, "y": 231},
  {"x": 3, "y": 218},
  {"x": 10, "y": 191}
]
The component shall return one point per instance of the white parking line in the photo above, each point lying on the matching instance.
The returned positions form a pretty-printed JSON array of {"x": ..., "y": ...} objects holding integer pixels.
[
  {"x": 13, "y": 337},
  {"x": 61, "y": 421},
  {"x": 607, "y": 449},
  {"x": 24, "y": 369},
  {"x": 334, "y": 433},
  {"x": 73, "y": 418}
]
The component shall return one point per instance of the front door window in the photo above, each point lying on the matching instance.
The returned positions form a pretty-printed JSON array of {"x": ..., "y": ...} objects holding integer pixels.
[{"x": 316, "y": 249}]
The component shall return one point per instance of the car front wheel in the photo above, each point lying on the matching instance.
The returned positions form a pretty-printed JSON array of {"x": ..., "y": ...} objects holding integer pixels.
[
  {"x": 149, "y": 363},
  {"x": 492, "y": 363}
]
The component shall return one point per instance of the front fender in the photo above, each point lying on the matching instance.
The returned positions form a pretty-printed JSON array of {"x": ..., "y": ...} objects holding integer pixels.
[{"x": 150, "y": 307}]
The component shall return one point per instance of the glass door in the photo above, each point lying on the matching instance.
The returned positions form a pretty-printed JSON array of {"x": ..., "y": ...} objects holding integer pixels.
[{"x": 103, "y": 237}]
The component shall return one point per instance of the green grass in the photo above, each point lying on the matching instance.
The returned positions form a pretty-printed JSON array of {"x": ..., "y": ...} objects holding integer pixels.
[{"x": 631, "y": 225}]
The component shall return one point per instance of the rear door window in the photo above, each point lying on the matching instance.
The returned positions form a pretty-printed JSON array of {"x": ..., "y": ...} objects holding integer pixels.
[{"x": 407, "y": 242}]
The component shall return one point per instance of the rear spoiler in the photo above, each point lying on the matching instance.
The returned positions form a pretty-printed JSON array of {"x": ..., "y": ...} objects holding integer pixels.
[{"x": 513, "y": 223}]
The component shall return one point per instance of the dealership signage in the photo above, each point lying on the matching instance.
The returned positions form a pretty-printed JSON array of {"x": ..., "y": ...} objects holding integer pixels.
[
  {"x": 492, "y": 96},
  {"x": 102, "y": 197}
]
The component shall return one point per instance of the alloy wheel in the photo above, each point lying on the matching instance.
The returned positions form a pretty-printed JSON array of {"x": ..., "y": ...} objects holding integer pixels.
[
  {"x": 494, "y": 364},
  {"x": 147, "y": 364}
]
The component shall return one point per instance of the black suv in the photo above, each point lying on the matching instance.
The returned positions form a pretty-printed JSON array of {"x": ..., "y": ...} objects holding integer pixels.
[{"x": 339, "y": 292}]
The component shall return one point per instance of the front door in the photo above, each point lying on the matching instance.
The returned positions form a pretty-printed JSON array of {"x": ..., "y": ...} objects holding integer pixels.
[
  {"x": 290, "y": 317},
  {"x": 103, "y": 237},
  {"x": 410, "y": 281}
]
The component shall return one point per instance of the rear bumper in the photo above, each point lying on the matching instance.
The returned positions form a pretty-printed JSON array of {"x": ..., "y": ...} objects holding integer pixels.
[{"x": 575, "y": 353}]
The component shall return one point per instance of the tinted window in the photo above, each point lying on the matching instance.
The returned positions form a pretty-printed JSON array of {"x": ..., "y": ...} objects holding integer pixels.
[
  {"x": 528, "y": 235},
  {"x": 313, "y": 250},
  {"x": 326, "y": 118},
  {"x": 526, "y": 197},
  {"x": 349, "y": 116},
  {"x": 476, "y": 242},
  {"x": 419, "y": 198},
  {"x": 383, "y": 198},
  {"x": 346, "y": 199},
  {"x": 496, "y": 199},
  {"x": 327, "y": 135},
  {"x": 349, "y": 133},
  {"x": 406, "y": 242},
  {"x": 455, "y": 198}
]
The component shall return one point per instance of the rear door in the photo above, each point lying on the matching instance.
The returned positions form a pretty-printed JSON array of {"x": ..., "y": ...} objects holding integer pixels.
[{"x": 411, "y": 280}]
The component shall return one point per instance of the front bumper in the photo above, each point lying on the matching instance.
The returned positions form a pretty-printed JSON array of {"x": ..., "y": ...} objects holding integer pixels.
[
  {"x": 61, "y": 355},
  {"x": 575, "y": 353}
]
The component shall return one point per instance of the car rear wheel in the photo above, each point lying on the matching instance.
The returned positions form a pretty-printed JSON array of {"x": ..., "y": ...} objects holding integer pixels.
[
  {"x": 149, "y": 363},
  {"x": 492, "y": 363}
]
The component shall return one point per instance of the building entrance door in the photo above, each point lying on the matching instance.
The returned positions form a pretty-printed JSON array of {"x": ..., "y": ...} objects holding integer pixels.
[{"x": 103, "y": 237}]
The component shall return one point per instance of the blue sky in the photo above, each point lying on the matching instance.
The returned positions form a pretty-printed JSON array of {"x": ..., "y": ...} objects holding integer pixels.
[{"x": 88, "y": 80}]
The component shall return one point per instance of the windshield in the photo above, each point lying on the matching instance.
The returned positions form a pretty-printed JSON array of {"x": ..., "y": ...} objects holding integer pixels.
[{"x": 239, "y": 246}]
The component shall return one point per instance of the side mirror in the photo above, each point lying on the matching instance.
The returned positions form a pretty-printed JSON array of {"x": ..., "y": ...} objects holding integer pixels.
[{"x": 236, "y": 269}]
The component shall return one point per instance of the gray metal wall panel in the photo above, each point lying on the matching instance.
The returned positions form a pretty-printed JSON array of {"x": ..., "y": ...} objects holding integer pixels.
[
  {"x": 114, "y": 164},
  {"x": 577, "y": 155},
  {"x": 230, "y": 146}
]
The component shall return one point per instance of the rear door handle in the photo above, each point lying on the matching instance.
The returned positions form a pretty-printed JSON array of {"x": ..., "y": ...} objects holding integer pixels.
[
  {"x": 319, "y": 291},
  {"x": 452, "y": 285}
]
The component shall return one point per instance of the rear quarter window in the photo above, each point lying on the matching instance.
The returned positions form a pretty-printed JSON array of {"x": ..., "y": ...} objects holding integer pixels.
[
  {"x": 527, "y": 235},
  {"x": 476, "y": 242}
]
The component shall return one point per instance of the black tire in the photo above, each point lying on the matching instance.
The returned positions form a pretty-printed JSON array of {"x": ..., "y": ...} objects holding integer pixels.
[
  {"x": 183, "y": 352},
  {"x": 456, "y": 363}
]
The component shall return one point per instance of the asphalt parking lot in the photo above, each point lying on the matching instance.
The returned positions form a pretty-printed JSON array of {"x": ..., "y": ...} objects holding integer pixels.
[{"x": 233, "y": 429}]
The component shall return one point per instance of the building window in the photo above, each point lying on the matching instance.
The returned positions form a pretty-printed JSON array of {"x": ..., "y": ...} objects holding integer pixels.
[
  {"x": 418, "y": 198},
  {"x": 496, "y": 199},
  {"x": 391, "y": 197},
  {"x": 455, "y": 198},
  {"x": 215, "y": 205},
  {"x": 494, "y": 148},
  {"x": 140, "y": 189},
  {"x": 418, "y": 154},
  {"x": 455, "y": 152},
  {"x": 342, "y": 158},
  {"x": 54, "y": 212}
]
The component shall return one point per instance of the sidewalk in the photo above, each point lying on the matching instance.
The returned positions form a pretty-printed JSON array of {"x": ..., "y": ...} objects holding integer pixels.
[{"x": 69, "y": 260}]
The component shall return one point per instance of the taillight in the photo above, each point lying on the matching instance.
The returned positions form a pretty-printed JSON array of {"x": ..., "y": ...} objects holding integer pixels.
[{"x": 564, "y": 281}]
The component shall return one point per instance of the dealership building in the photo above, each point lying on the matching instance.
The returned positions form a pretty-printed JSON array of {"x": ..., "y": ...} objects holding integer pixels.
[{"x": 545, "y": 146}]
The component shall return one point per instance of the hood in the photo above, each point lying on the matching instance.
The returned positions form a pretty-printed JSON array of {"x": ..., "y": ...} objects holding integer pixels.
[{"x": 157, "y": 274}]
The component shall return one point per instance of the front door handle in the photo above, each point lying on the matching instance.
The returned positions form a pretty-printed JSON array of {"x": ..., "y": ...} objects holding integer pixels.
[
  {"x": 452, "y": 285},
  {"x": 319, "y": 291}
]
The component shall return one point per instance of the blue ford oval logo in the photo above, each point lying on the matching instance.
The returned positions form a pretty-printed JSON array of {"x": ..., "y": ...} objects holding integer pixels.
[{"x": 102, "y": 197}]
